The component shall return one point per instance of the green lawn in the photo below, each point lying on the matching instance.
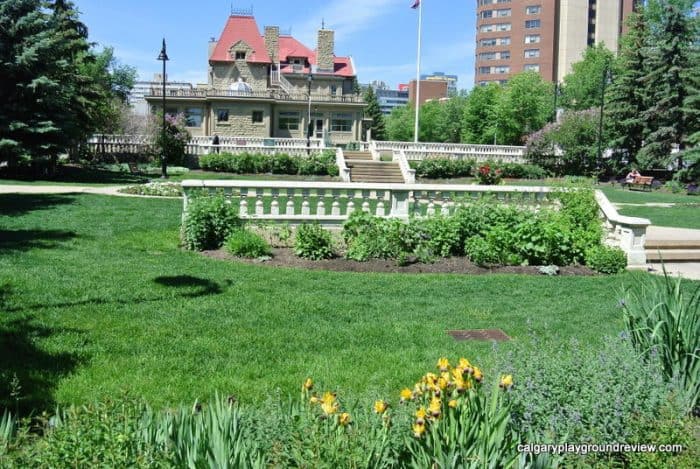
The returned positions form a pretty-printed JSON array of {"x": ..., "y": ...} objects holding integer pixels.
[
  {"x": 679, "y": 216},
  {"x": 616, "y": 194},
  {"x": 98, "y": 299}
]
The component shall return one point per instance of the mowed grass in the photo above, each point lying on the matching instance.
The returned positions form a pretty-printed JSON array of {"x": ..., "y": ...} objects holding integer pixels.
[
  {"x": 98, "y": 299},
  {"x": 619, "y": 195},
  {"x": 678, "y": 216}
]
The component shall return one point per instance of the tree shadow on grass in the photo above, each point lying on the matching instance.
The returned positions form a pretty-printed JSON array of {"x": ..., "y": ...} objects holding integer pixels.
[
  {"x": 13, "y": 205},
  {"x": 77, "y": 174},
  {"x": 195, "y": 286},
  {"x": 29, "y": 374},
  {"x": 24, "y": 240}
]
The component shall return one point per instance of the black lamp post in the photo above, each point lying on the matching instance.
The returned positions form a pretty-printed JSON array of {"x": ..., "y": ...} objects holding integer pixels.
[
  {"x": 607, "y": 76},
  {"x": 308, "y": 122},
  {"x": 164, "y": 57}
]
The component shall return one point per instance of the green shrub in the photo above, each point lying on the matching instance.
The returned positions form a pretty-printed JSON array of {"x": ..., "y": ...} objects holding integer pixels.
[
  {"x": 606, "y": 260},
  {"x": 664, "y": 321},
  {"x": 248, "y": 163},
  {"x": 481, "y": 252},
  {"x": 521, "y": 171},
  {"x": 369, "y": 237},
  {"x": 245, "y": 243},
  {"x": 313, "y": 242},
  {"x": 209, "y": 220},
  {"x": 442, "y": 168},
  {"x": 440, "y": 234}
]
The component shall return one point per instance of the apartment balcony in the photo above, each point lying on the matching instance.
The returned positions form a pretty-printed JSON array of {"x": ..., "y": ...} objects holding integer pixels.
[{"x": 270, "y": 94}]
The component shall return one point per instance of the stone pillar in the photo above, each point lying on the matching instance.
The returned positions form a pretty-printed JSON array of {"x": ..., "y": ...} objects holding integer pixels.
[
  {"x": 272, "y": 42},
  {"x": 325, "y": 50}
]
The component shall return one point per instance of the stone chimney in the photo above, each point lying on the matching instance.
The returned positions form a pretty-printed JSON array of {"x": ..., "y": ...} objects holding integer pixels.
[
  {"x": 324, "y": 51},
  {"x": 272, "y": 42},
  {"x": 212, "y": 45}
]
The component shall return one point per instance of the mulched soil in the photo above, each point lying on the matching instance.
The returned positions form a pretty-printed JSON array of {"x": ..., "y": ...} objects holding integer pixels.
[{"x": 285, "y": 257}]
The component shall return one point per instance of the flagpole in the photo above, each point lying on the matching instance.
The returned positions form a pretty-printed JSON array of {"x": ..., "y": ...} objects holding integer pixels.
[{"x": 417, "y": 103}]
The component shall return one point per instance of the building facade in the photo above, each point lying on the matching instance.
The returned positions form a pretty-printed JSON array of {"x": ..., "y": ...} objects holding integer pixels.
[
  {"x": 137, "y": 95},
  {"x": 545, "y": 36},
  {"x": 391, "y": 99},
  {"x": 429, "y": 90},
  {"x": 441, "y": 76},
  {"x": 270, "y": 85}
]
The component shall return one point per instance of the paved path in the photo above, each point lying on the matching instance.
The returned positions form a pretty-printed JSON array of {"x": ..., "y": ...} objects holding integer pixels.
[{"x": 34, "y": 189}]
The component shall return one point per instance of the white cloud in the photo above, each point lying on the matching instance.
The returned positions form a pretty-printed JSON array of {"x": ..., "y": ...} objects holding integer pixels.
[{"x": 346, "y": 17}]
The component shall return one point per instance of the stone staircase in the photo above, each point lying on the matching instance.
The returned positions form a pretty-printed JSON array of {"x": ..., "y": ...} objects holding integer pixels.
[
  {"x": 672, "y": 245},
  {"x": 364, "y": 169}
]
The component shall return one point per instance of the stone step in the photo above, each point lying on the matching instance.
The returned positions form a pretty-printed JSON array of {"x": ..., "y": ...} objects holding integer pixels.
[
  {"x": 378, "y": 180},
  {"x": 357, "y": 155},
  {"x": 654, "y": 244},
  {"x": 675, "y": 255}
]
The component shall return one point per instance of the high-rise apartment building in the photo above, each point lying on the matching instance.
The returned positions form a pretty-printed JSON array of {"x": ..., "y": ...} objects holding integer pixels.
[{"x": 546, "y": 36}]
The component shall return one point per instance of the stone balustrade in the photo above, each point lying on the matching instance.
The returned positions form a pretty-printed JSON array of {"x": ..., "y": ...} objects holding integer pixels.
[
  {"x": 628, "y": 233},
  {"x": 480, "y": 153},
  {"x": 343, "y": 170},
  {"x": 203, "y": 145},
  {"x": 331, "y": 203},
  {"x": 408, "y": 173}
]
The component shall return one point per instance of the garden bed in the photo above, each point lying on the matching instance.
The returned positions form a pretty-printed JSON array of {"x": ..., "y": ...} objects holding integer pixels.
[{"x": 285, "y": 257}]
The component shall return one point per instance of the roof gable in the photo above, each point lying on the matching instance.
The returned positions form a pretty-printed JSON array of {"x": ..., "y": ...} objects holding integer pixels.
[{"x": 237, "y": 29}]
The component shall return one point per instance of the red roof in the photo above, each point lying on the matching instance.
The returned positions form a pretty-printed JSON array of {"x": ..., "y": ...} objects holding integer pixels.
[
  {"x": 244, "y": 28},
  {"x": 241, "y": 28}
]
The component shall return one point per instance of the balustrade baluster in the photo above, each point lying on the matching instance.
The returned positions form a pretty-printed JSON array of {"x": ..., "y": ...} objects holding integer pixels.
[
  {"x": 290, "y": 202},
  {"x": 351, "y": 203},
  {"x": 335, "y": 207},
  {"x": 305, "y": 208}
]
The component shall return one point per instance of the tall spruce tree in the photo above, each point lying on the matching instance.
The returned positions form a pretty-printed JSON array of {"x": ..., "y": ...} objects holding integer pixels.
[
  {"x": 29, "y": 84},
  {"x": 667, "y": 59},
  {"x": 372, "y": 110},
  {"x": 627, "y": 100}
]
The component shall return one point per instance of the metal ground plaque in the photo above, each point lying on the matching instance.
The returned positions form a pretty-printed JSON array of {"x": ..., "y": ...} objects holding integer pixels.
[{"x": 479, "y": 334}]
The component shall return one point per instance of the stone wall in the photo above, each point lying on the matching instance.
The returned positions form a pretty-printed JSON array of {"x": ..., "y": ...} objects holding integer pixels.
[
  {"x": 240, "y": 119},
  {"x": 226, "y": 74}
]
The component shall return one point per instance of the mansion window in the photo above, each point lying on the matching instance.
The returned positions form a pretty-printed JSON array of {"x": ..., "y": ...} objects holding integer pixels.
[
  {"x": 193, "y": 116},
  {"x": 240, "y": 55},
  {"x": 341, "y": 122},
  {"x": 222, "y": 115},
  {"x": 288, "y": 121},
  {"x": 257, "y": 117}
]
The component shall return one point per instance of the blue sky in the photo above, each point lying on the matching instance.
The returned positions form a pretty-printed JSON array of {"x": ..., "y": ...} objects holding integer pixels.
[{"x": 379, "y": 34}]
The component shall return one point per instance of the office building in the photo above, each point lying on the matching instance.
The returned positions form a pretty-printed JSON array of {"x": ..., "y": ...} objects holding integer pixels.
[
  {"x": 441, "y": 76},
  {"x": 545, "y": 36}
]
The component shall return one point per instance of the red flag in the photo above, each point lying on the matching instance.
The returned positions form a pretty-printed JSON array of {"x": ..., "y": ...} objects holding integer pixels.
[{"x": 416, "y": 4}]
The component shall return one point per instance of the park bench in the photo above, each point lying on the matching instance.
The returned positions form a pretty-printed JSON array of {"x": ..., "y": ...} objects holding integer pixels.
[{"x": 643, "y": 182}]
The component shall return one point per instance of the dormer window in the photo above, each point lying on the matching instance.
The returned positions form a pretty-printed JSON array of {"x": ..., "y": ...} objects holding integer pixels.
[{"x": 240, "y": 55}]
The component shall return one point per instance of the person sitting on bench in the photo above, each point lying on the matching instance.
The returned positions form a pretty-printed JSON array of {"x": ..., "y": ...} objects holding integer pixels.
[{"x": 631, "y": 176}]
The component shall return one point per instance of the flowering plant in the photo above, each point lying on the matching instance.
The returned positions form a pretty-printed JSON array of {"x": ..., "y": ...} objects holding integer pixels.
[{"x": 489, "y": 175}]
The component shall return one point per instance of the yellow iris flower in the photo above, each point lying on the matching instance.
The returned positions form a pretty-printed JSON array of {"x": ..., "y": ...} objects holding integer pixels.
[
  {"x": 308, "y": 384},
  {"x": 406, "y": 395},
  {"x": 344, "y": 419},
  {"x": 418, "y": 429},
  {"x": 506, "y": 381},
  {"x": 443, "y": 364}
]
